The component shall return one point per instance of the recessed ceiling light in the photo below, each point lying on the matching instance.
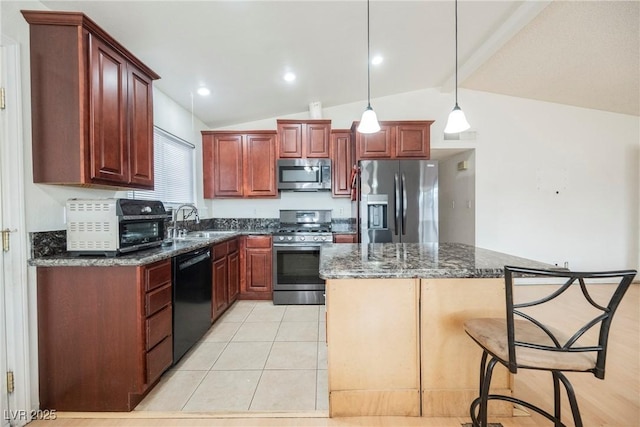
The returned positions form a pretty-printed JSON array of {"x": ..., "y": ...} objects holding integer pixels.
[
  {"x": 289, "y": 76},
  {"x": 377, "y": 60},
  {"x": 203, "y": 91}
]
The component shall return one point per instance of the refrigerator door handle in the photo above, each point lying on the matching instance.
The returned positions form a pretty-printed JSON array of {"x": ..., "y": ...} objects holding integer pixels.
[
  {"x": 404, "y": 205},
  {"x": 396, "y": 204}
]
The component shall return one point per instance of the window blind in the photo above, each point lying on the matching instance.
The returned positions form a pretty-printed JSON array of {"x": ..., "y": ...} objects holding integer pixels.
[{"x": 174, "y": 161}]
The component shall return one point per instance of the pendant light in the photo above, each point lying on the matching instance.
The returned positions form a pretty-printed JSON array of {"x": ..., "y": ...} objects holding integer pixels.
[
  {"x": 457, "y": 122},
  {"x": 369, "y": 121}
]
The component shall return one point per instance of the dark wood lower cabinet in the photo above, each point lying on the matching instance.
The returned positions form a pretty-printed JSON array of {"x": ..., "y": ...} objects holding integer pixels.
[
  {"x": 226, "y": 276},
  {"x": 345, "y": 238},
  {"x": 219, "y": 301},
  {"x": 257, "y": 265},
  {"x": 233, "y": 263},
  {"x": 104, "y": 335}
]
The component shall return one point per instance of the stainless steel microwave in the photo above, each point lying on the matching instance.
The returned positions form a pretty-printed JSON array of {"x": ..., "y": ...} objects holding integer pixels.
[{"x": 304, "y": 174}]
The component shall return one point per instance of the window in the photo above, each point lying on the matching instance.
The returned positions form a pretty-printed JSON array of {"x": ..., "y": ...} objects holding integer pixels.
[{"x": 174, "y": 161}]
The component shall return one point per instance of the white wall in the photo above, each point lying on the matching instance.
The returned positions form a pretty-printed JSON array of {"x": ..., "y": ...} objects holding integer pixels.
[
  {"x": 556, "y": 183},
  {"x": 457, "y": 198}
]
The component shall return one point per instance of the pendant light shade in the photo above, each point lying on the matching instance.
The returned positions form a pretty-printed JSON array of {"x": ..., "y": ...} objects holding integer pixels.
[
  {"x": 369, "y": 121},
  {"x": 457, "y": 121}
]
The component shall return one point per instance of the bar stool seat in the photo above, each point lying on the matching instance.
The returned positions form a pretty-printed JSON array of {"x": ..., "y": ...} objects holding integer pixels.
[{"x": 491, "y": 334}]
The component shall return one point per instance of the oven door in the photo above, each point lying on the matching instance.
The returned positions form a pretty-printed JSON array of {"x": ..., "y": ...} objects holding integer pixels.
[
  {"x": 296, "y": 267},
  {"x": 140, "y": 234},
  {"x": 296, "y": 274}
]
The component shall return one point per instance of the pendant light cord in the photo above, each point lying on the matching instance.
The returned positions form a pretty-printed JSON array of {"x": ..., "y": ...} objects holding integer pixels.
[
  {"x": 456, "y": 12},
  {"x": 368, "y": 62}
]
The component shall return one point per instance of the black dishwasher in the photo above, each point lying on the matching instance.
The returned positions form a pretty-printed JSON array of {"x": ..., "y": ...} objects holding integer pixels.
[{"x": 191, "y": 299}]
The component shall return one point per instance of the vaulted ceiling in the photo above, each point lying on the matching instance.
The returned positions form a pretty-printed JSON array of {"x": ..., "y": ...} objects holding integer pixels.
[{"x": 582, "y": 53}]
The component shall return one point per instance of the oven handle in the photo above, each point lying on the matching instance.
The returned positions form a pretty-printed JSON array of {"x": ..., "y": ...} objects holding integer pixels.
[
  {"x": 298, "y": 245},
  {"x": 140, "y": 217}
]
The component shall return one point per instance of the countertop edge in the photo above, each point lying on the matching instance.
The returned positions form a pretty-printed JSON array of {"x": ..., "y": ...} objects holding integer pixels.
[{"x": 143, "y": 257}]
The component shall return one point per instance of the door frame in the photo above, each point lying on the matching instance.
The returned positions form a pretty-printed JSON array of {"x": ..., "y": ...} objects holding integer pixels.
[{"x": 18, "y": 315}]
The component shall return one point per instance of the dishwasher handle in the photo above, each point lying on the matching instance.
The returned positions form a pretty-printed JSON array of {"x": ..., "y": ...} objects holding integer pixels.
[{"x": 196, "y": 258}]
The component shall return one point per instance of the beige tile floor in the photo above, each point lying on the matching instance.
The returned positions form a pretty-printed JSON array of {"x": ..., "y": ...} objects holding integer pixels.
[{"x": 256, "y": 357}]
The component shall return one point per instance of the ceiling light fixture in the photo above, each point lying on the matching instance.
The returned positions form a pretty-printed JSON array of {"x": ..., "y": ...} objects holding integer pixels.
[
  {"x": 289, "y": 76},
  {"x": 457, "y": 122},
  {"x": 369, "y": 121},
  {"x": 203, "y": 91}
]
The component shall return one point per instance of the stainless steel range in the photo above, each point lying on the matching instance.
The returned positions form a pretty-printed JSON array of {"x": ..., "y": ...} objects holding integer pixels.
[{"x": 296, "y": 256}]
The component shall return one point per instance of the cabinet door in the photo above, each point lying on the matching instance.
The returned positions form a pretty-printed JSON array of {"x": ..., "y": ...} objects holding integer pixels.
[
  {"x": 342, "y": 163},
  {"x": 108, "y": 115},
  {"x": 259, "y": 276},
  {"x": 219, "y": 290},
  {"x": 227, "y": 165},
  {"x": 375, "y": 145},
  {"x": 315, "y": 143},
  {"x": 140, "y": 111},
  {"x": 289, "y": 140},
  {"x": 412, "y": 140},
  {"x": 260, "y": 165},
  {"x": 233, "y": 276}
]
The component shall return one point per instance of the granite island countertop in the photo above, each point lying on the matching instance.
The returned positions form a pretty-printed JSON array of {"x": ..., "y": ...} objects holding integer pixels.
[{"x": 414, "y": 260}]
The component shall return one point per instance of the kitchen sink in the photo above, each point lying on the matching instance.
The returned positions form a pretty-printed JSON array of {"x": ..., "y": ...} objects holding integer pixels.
[{"x": 207, "y": 234}]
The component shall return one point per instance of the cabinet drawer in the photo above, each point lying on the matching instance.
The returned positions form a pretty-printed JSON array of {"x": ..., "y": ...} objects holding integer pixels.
[
  {"x": 156, "y": 275},
  {"x": 158, "y": 327},
  {"x": 219, "y": 250},
  {"x": 157, "y": 299},
  {"x": 345, "y": 238},
  {"x": 159, "y": 359},
  {"x": 232, "y": 246},
  {"x": 258, "y": 242}
]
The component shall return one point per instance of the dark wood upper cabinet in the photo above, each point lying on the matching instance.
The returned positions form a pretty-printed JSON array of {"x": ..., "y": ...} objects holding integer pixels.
[
  {"x": 303, "y": 138},
  {"x": 91, "y": 103},
  {"x": 260, "y": 165},
  {"x": 239, "y": 164},
  {"x": 395, "y": 140},
  {"x": 342, "y": 162}
]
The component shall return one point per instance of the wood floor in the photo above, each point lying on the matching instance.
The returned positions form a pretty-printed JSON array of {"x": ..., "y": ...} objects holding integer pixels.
[{"x": 613, "y": 402}]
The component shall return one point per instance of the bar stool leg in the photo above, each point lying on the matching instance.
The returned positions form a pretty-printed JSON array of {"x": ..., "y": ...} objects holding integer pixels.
[
  {"x": 557, "y": 412},
  {"x": 573, "y": 402},
  {"x": 484, "y": 394}
]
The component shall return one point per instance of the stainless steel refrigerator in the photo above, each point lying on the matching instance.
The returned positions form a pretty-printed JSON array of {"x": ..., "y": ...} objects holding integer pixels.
[{"x": 398, "y": 201}]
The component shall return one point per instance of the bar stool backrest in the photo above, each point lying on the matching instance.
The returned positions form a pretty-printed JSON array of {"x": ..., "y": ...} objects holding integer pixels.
[{"x": 599, "y": 294}]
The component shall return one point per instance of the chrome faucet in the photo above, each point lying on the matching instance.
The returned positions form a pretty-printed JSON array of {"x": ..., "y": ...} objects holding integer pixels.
[{"x": 194, "y": 211}]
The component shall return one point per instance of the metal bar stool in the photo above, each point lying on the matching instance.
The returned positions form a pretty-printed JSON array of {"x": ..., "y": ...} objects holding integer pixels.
[{"x": 536, "y": 335}]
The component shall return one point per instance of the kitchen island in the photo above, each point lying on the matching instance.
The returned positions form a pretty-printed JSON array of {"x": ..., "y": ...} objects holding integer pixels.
[{"x": 395, "y": 340}]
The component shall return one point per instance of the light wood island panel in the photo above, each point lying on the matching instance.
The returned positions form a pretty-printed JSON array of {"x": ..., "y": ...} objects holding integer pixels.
[
  {"x": 373, "y": 347},
  {"x": 450, "y": 360},
  {"x": 396, "y": 347}
]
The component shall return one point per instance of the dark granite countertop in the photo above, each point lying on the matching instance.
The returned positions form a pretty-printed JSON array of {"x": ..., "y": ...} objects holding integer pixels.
[
  {"x": 147, "y": 256},
  {"x": 413, "y": 260}
]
